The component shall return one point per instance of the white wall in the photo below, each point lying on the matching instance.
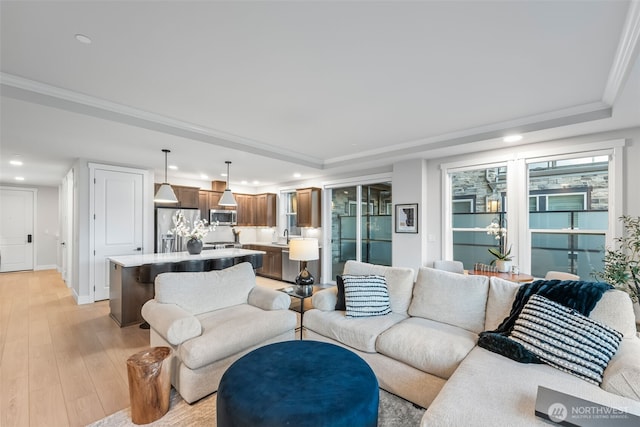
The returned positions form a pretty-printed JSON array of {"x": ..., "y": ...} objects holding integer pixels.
[{"x": 410, "y": 186}]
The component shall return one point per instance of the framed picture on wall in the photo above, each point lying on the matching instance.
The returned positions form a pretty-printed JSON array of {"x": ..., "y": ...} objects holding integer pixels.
[{"x": 407, "y": 218}]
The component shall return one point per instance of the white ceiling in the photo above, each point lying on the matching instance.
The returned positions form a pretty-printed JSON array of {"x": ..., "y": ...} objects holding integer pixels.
[{"x": 318, "y": 88}]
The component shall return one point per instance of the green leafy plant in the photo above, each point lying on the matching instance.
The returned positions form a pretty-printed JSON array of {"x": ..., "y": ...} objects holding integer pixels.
[
  {"x": 622, "y": 263},
  {"x": 502, "y": 256},
  {"x": 500, "y": 233}
]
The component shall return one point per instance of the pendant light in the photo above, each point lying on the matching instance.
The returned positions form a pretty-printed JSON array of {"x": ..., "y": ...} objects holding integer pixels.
[
  {"x": 165, "y": 193},
  {"x": 227, "y": 198}
]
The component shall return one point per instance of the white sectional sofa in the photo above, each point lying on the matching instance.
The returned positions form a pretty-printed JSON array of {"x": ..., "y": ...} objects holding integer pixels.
[
  {"x": 426, "y": 349},
  {"x": 210, "y": 319}
]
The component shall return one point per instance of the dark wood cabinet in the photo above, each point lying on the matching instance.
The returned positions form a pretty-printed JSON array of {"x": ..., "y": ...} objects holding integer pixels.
[
  {"x": 309, "y": 209},
  {"x": 246, "y": 209},
  {"x": 266, "y": 210},
  {"x": 271, "y": 261},
  {"x": 188, "y": 197}
]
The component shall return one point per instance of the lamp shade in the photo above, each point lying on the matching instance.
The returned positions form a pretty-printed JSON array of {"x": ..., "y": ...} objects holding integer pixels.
[
  {"x": 227, "y": 199},
  {"x": 165, "y": 194},
  {"x": 303, "y": 249}
]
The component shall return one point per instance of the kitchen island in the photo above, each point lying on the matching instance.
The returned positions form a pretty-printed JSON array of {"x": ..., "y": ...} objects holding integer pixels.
[{"x": 131, "y": 277}]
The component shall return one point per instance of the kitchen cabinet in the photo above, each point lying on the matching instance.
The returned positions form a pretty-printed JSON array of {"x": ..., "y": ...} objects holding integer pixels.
[
  {"x": 309, "y": 209},
  {"x": 188, "y": 197},
  {"x": 246, "y": 209},
  {"x": 271, "y": 261},
  {"x": 209, "y": 200},
  {"x": 266, "y": 211}
]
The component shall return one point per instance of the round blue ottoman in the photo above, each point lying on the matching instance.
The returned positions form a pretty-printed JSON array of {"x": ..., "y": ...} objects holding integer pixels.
[{"x": 298, "y": 383}]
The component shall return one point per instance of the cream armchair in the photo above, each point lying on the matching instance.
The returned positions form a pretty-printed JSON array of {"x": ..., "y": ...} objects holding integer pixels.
[{"x": 210, "y": 319}]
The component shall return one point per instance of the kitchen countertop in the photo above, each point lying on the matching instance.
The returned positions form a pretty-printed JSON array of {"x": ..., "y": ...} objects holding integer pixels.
[
  {"x": 269, "y": 244},
  {"x": 138, "y": 260}
]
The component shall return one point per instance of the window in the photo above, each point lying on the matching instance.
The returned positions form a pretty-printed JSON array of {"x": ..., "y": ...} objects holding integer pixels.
[
  {"x": 569, "y": 220},
  {"x": 558, "y": 208},
  {"x": 470, "y": 219},
  {"x": 290, "y": 213}
]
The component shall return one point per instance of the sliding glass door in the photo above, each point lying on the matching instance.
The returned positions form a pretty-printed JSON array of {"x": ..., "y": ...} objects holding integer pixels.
[{"x": 360, "y": 225}]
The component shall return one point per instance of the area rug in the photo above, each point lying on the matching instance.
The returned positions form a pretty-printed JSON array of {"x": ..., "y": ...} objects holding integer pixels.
[{"x": 392, "y": 412}]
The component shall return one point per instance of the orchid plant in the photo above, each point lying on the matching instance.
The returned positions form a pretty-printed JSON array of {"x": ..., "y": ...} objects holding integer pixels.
[
  {"x": 500, "y": 233},
  {"x": 200, "y": 228}
]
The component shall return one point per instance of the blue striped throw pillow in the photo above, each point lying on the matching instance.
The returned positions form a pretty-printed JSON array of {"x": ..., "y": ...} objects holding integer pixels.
[
  {"x": 566, "y": 339},
  {"x": 366, "y": 296}
]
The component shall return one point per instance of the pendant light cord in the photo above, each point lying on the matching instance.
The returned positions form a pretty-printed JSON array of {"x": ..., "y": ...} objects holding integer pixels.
[
  {"x": 228, "y": 163},
  {"x": 166, "y": 152}
]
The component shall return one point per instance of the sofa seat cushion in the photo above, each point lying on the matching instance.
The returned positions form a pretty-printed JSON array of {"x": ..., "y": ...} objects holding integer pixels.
[
  {"x": 455, "y": 299},
  {"x": 359, "y": 333},
  {"x": 488, "y": 389},
  {"x": 432, "y": 347},
  {"x": 231, "y": 330}
]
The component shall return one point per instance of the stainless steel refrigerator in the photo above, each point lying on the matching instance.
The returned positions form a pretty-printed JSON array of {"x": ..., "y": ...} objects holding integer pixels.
[{"x": 166, "y": 241}]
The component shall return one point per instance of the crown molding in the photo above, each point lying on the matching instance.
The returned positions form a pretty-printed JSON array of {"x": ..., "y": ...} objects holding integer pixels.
[
  {"x": 42, "y": 93},
  {"x": 626, "y": 54},
  {"x": 568, "y": 116}
]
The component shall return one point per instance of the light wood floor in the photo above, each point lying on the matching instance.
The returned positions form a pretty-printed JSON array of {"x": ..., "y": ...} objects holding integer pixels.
[{"x": 61, "y": 364}]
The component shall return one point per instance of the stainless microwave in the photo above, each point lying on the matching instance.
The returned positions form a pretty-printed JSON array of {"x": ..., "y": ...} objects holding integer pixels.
[{"x": 223, "y": 217}]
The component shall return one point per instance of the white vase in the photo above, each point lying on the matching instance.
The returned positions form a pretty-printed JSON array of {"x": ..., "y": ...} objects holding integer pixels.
[{"x": 503, "y": 266}]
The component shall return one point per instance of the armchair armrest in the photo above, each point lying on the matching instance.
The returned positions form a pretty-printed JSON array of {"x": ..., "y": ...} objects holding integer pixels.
[
  {"x": 325, "y": 299},
  {"x": 268, "y": 299},
  {"x": 172, "y": 322},
  {"x": 622, "y": 375}
]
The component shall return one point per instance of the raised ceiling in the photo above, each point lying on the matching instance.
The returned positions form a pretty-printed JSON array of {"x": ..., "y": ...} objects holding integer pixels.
[{"x": 318, "y": 88}]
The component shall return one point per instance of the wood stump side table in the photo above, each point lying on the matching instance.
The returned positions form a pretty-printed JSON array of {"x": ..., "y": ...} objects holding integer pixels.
[{"x": 149, "y": 373}]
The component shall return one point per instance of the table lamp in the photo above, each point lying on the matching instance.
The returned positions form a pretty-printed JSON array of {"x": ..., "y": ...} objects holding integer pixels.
[{"x": 304, "y": 250}]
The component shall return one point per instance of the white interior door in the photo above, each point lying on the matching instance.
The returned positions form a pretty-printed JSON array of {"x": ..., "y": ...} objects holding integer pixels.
[
  {"x": 16, "y": 229},
  {"x": 118, "y": 202}
]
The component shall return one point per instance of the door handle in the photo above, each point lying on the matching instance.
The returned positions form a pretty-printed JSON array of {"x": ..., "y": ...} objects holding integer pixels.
[
  {"x": 138, "y": 249},
  {"x": 29, "y": 238}
]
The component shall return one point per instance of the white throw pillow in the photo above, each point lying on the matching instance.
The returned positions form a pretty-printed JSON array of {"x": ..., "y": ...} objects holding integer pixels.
[
  {"x": 366, "y": 296},
  {"x": 455, "y": 299},
  {"x": 565, "y": 339},
  {"x": 399, "y": 281}
]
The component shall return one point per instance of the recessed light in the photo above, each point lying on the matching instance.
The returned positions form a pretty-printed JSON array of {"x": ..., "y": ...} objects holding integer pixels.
[
  {"x": 16, "y": 162},
  {"x": 244, "y": 182},
  {"x": 83, "y": 39},
  {"x": 297, "y": 175},
  {"x": 173, "y": 167},
  {"x": 203, "y": 176},
  {"x": 256, "y": 182},
  {"x": 512, "y": 138},
  {"x": 19, "y": 178},
  {"x": 223, "y": 174}
]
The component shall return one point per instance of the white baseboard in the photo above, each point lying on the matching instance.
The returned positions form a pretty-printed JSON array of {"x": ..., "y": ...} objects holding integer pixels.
[
  {"x": 46, "y": 267},
  {"x": 80, "y": 300}
]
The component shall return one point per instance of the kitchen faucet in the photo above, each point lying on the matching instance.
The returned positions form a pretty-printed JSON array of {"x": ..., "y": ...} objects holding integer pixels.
[{"x": 285, "y": 233}]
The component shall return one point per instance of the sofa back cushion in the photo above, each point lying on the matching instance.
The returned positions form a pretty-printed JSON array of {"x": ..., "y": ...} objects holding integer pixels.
[
  {"x": 202, "y": 292},
  {"x": 615, "y": 309},
  {"x": 501, "y": 295},
  {"x": 399, "y": 282},
  {"x": 451, "y": 298}
]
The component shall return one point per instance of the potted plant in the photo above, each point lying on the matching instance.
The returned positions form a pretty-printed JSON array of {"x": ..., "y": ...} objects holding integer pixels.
[
  {"x": 622, "y": 263},
  {"x": 193, "y": 235},
  {"x": 502, "y": 258}
]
